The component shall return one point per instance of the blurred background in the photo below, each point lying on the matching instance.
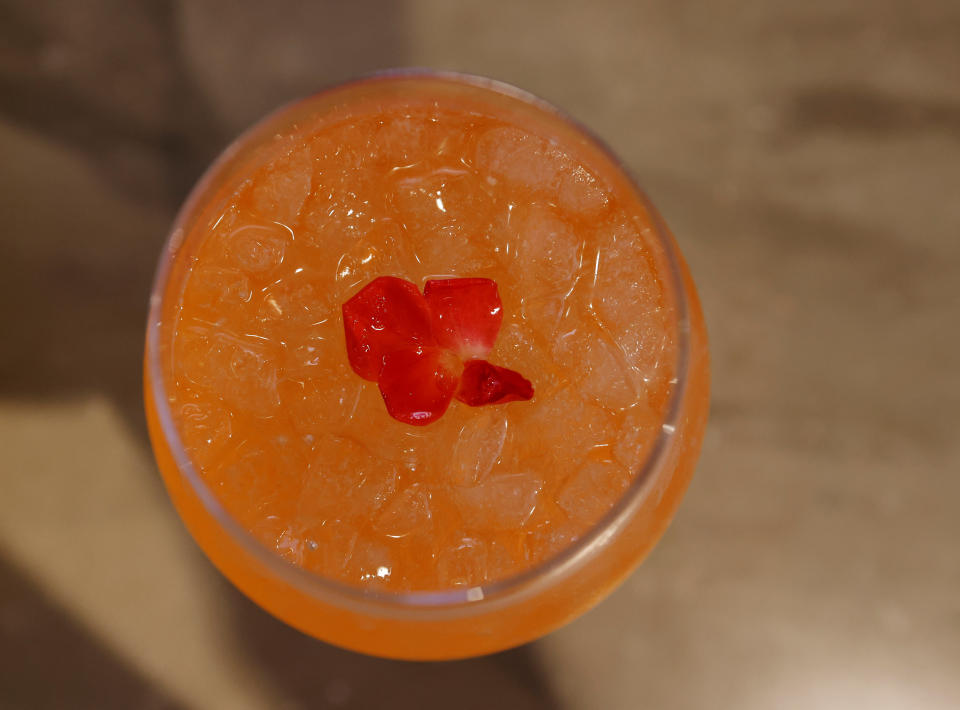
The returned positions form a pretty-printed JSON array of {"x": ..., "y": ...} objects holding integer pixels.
[{"x": 807, "y": 155}]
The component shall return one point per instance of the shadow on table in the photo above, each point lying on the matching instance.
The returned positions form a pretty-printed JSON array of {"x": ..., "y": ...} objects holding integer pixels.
[
  {"x": 99, "y": 107},
  {"x": 49, "y": 661},
  {"x": 313, "y": 674}
]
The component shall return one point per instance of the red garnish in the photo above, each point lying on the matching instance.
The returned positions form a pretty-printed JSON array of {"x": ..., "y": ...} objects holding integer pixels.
[
  {"x": 417, "y": 384},
  {"x": 482, "y": 383},
  {"x": 388, "y": 314},
  {"x": 466, "y": 314},
  {"x": 424, "y": 349}
]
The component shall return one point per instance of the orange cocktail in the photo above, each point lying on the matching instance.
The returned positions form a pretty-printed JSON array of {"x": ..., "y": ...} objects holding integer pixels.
[{"x": 426, "y": 376}]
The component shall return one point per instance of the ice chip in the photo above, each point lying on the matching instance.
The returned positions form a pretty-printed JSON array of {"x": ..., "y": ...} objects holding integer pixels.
[
  {"x": 638, "y": 433},
  {"x": 450, "y": 199},
  {"x": 206, "y": 429},
  {"x": 370, "y": 564},
  {"x": 290, "y": 546},
  {"x": 548, "y": 251},
  {"x": 628, "y": 298},
  {"x": 580, "y": 192},
  {"x": 280, "y": 194},
  {"x": 319, "y": 398},
  {"x": 502, "y": 501},
  {"x": 269, "y": 475},
  {"x": 522, "y": 159},
  {"x": 379, "y": 252},
  {"x": 344, "y": 483},
  {"x": 329, "y": 547},
  {"x": 518, "y": 349},
  {"x": 257, "y": 248},
  {"x": 510, "y": 154},
  {"x": 212, "y": 288},
  {"x": 445, "y": 214},
  {"x": 342, "y": 150},
  {"x": 462, "y": 563},
  {"x": 403, "y": 140},
  {"x": 592, "y": 490},
  {"x": 600, "y": 366},
  {"x": 565, "y": 447},
  {"x": 408, "y": 512},
  {"x": 295, "y": 301},
  {"x": 551, "y": 538},
  {"x": 478, "y": 447},
  {"x": 542, "y": 314},
  {"x": 338, "y": 213},
  {"x": 241, "y": 369}
]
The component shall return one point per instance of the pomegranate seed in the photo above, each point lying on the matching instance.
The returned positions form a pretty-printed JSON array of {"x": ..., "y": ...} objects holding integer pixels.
[
  {"x": 467, "y": 314},
  {"x": 418, "y": 384},
  {"x": 424, "y": 349},
  {"x": 482, "y": 383},
  {"x": 387, "y": 314}
]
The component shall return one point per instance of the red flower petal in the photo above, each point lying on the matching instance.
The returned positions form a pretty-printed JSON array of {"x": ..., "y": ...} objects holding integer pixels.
[
  {"x": 417, "y": 384},
  {"x": 482, "y": 383},
  {"x": 466, "y": 314},
  {"x": 387, "y": 314}
]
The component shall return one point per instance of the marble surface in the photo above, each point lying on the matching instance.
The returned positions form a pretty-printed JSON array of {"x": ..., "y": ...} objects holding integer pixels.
[{"x": 806, "y": 154}]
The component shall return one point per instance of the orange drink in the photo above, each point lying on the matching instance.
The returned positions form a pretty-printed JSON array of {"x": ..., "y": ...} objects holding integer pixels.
[{"x": 426, "y": 375}]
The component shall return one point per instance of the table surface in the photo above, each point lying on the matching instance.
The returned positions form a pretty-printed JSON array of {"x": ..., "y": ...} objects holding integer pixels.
[{"x": 807, "y": 155}]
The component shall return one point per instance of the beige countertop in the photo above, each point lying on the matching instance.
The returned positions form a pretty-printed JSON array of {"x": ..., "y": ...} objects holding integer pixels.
[{"x": 807, "y": 155}]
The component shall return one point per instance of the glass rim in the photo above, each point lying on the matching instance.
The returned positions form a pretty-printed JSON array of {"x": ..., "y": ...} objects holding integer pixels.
[{"x": 458, "y": 600}]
